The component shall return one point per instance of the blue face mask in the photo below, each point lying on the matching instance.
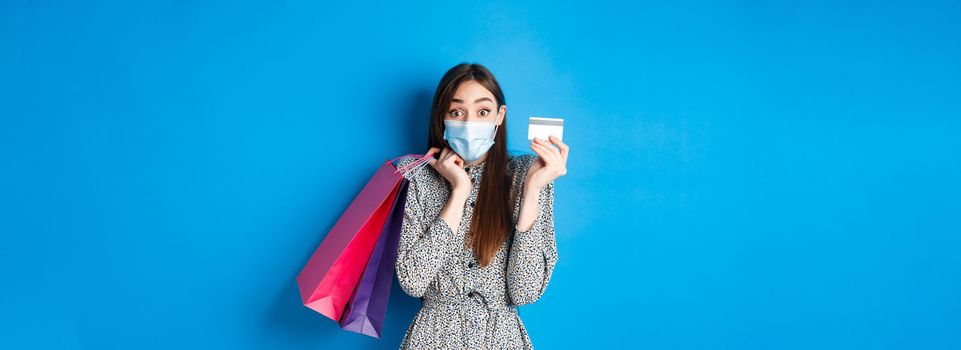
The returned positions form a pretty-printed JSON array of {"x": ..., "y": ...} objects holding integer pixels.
[{"x": 470, "y": 140}]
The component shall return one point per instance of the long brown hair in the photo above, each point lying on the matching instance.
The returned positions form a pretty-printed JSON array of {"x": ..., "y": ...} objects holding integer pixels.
[{"x": 491, "y": 224}]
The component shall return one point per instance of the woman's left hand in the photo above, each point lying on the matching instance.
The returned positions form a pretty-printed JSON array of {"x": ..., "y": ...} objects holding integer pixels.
[{"x": 552, "y": 162}]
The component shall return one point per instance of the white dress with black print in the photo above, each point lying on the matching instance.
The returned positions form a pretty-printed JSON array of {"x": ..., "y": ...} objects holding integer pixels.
[{"x": 464, "y": 305}]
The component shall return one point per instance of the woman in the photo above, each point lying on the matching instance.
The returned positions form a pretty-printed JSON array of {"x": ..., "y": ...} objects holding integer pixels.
[{"x": 477, "y": 238}]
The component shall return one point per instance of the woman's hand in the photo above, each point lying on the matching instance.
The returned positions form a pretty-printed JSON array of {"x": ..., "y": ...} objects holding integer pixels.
[
  {"x": 552, "y": 162},
  {"x": 451, "y": 166}
]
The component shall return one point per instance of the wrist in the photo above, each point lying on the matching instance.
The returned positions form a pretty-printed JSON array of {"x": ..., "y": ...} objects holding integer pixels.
[
  {"x": 532, "y": 187},
  {"x": 460, "y": 193}
]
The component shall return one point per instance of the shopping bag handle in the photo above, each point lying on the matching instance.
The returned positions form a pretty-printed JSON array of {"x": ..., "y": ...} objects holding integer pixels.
[{"x": 422, "y": 159}]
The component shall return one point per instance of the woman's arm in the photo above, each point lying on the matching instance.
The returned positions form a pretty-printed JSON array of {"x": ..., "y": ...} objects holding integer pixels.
[
  {"x": 533, "y": 253},
  {"x": 529, "y": 209},
  {"x": 453, "y": 211},
  {"x": 426, "y": 243}
]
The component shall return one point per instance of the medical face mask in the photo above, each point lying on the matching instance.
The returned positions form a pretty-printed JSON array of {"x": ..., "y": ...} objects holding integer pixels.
[{"x": 470, "y": 140}]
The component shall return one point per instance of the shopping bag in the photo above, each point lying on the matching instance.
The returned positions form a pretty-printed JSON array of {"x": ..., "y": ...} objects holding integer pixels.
[
  {"x": 367, "y": 307},
  {"x": 328, "y": 279}
]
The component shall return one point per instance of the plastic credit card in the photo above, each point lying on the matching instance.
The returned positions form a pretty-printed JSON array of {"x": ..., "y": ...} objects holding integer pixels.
[{"x": 543, "y": 127}]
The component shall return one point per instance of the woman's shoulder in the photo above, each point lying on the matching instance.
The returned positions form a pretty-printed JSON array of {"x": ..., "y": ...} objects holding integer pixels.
[
  {"x": 419, "y": 171},
  {"x": 518, "y": 163},
  {"x": 421, "y": 175}
]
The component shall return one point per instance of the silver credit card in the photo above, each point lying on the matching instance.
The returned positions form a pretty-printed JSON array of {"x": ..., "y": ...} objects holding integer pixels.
[{"x": 543, "y": 127}]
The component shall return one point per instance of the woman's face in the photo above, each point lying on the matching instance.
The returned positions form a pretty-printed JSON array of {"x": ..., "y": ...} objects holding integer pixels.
[{"x": 473, "y": 102}]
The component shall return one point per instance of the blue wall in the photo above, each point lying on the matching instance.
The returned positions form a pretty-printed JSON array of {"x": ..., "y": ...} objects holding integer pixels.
[{"x": 753, "y": 175}]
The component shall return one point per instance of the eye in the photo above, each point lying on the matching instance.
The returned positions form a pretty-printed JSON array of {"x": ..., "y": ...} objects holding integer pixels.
[
  {"x": 456, "y": 113},
  {"x": 484, "y": 112}
]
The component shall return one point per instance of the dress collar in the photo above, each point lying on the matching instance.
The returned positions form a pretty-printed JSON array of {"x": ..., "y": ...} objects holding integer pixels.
[{"x": 476, "y": 170}]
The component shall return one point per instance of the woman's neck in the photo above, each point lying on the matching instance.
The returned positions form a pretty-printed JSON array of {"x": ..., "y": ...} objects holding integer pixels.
[{"x": 478, "y": 161}]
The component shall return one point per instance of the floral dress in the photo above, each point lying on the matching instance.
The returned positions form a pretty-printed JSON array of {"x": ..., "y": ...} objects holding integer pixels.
[{"x": 464, "y": 305}]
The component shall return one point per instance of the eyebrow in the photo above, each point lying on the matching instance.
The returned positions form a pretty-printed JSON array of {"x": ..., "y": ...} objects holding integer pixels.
[{"x": 475, "y": 101}]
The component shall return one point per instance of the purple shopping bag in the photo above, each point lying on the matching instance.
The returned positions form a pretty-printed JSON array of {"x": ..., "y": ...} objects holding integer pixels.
[{"x": 367, "y": 306}]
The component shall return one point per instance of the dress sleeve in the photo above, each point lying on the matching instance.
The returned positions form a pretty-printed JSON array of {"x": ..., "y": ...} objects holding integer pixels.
[
  {"x": 533, "y": 253},
  {"x": 425, "y": 244}
]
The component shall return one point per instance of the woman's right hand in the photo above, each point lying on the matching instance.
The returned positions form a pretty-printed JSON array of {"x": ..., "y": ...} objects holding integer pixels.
[{"x": 451, "y": 166}]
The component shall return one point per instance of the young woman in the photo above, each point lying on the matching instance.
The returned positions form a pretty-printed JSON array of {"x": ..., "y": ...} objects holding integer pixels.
[{"x": 477, "y": 238}]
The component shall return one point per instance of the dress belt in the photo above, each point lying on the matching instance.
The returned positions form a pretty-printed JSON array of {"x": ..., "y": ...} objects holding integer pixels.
[
  {"x": 465, "y": 300},
  {"x": 461, "y": 302}
]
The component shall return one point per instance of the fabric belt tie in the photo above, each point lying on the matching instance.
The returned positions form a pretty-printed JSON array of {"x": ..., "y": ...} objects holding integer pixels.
[{"x": 463, "y": 302}]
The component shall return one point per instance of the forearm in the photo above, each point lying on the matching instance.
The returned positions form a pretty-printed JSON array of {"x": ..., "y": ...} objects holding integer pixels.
[
  {"x": 453, "y": 211},
  {"x": 425, "y": 245},
  {"x": 533, "y": 252},
  {"x": 528, "y": 214}
]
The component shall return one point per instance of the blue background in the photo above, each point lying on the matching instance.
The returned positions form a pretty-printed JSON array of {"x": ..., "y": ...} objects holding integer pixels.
[{"x": 748, "y": 175}]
